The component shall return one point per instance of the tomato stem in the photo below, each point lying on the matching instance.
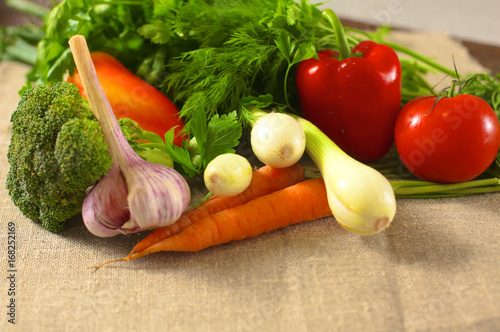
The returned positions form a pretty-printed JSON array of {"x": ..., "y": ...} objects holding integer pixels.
[{"x": 451, "y": 92}]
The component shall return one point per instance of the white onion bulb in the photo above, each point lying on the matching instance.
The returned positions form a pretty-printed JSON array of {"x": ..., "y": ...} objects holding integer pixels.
[
  {"x": 278, "y": 140},
  {"x": 228, "y": 174}
]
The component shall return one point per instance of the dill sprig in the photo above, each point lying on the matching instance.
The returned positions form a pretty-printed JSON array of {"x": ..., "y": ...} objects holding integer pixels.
[{"x": 237, "y": 54}]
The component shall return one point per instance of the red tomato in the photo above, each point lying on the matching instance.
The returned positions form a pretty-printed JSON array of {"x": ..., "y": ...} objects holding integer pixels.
[{"x": 450, "y": 140}]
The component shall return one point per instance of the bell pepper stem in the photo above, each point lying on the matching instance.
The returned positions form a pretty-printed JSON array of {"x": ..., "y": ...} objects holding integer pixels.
[{"x": 340, "y": 36}]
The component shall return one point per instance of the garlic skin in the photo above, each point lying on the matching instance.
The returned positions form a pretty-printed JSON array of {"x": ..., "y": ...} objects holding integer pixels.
[
  {"x": 135, "y": 194},
  {"x": 105, "y": 208},
  {"x": 278, "y": 140},
  {"x": 157, "y": 195},
  {"x": 110, "y": 208}
]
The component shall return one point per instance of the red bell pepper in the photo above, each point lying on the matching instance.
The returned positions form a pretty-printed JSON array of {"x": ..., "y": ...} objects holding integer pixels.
[
  {"x": 353, "y": 97},
  {"x": 131, "y": 97}
]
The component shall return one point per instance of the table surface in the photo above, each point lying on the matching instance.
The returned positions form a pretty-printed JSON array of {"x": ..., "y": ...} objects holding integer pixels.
[{"x": 437, "y": 268}]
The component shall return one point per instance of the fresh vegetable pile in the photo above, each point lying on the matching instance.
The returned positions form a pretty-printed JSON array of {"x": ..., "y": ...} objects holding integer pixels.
[{"x": 190, "y": 80}]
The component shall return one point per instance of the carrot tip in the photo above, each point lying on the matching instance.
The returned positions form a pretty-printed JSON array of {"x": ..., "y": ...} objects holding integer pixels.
[{"x": 108, "y": 262}]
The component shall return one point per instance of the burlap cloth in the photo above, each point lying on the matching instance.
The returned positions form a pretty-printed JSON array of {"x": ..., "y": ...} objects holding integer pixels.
[{"x": 437, "y": 268}]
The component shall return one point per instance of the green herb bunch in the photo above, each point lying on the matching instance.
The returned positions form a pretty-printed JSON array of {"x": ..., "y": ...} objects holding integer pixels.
[{"x": 239, "y": 54}]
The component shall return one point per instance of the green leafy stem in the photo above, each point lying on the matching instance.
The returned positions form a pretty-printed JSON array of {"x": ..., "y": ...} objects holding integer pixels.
[{"x": 424, "y": 189}]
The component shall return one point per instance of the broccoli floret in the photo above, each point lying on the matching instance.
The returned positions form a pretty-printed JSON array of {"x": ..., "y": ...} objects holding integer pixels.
[{"x": 56, "y": 152}]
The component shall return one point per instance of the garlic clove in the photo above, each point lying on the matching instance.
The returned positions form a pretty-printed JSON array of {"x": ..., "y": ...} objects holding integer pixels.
[
  {"x": 157, "y": 195},
  {"x": 158, "y": 198},
  {"x": 105, "y": 208}
]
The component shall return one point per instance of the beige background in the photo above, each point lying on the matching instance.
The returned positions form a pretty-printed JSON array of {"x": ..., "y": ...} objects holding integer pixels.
[
  {"x": 437, "y": 268},
  {"x": 475, "y": 20}
]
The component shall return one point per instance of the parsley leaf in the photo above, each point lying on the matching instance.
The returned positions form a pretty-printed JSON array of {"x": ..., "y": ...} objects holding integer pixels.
[
  {"x": 222, "y": 135},
  {"x": 180, "y": 156},
  {"x": 213, "y": 137},
  {"x": 304, "y": 51},
  {"x": 157, "y": 31},
  {"x": 285, "y": 45}
]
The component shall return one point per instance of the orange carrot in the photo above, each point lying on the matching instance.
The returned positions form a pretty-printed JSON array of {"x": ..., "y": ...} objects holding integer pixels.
[
  {"x": 265, "y": 180},
  {"x": 298, "y": 203}
]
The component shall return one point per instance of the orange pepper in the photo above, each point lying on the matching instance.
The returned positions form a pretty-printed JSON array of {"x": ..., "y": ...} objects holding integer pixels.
[{"x": 133, "y": 98}]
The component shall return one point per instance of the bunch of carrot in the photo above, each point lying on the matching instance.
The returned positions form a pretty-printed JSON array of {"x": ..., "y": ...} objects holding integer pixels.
[{"x": 275, "y": 198}]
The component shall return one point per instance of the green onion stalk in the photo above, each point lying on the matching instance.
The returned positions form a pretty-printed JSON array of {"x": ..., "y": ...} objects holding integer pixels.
[
  {"x": 412, "y": 187},
  {"x": 361, "y": 199}
]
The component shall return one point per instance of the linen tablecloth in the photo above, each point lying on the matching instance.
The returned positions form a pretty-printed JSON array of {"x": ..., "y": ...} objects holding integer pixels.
[{"x": 437, "y": 268}]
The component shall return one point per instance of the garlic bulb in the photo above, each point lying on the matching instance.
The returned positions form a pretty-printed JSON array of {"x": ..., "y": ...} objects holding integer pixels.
[
  {"x": 135, "y": 194},
  {"x": 278, "y": 140},
  {"x": 228, "y": 174}
]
